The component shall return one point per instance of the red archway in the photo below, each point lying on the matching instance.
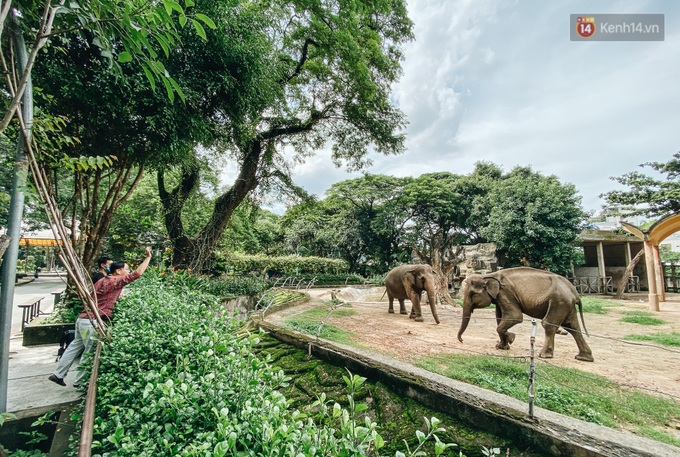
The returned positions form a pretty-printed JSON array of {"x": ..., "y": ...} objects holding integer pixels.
[{"x": 654, "y": 235}]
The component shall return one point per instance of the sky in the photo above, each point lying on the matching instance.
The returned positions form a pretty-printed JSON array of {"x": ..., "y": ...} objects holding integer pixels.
[{"x": 501, "y": 81}]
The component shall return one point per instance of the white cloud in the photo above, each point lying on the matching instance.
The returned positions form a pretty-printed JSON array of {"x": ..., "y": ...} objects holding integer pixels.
[{"x": 501, "y": 82}]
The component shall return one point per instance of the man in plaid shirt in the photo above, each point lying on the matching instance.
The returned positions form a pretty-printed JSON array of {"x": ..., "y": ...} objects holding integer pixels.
[{"x": 108, "y": 291}]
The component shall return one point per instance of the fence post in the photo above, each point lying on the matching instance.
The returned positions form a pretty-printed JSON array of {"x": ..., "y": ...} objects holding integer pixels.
[{"x": 532, "y": 367}]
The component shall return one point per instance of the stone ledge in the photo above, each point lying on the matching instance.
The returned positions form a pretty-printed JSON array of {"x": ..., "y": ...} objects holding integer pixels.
[
  {"x": 38, "y": 334},
  {"x": 553, "y": 433}
]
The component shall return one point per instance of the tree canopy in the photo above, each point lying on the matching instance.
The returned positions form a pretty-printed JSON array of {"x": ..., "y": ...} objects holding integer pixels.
[
  {"x": 649, "y": 195},
  {"x": 534, "y": 220},
  {"x": 327, "y": 70}
]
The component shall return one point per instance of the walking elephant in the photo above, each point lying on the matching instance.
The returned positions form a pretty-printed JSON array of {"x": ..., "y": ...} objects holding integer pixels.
[
  {"x": 536, "y": 293},
  {"x": 409, "y": 281}
]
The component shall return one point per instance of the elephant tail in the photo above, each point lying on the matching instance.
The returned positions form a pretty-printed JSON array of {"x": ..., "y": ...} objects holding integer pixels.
[
  {"x": 381, "y": 298},
  {"x": 580, "y": 311}
]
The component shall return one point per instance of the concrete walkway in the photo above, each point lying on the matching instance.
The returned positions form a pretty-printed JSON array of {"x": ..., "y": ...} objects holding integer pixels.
[{"x": 29, "y": 392}]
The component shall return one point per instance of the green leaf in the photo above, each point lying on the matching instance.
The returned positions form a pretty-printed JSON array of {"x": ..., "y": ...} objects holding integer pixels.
[
  {"x": 182, "y": 20},
  {"x": 124, "y": 57},
  {"x": 168, "y": 88},
  {"x": 150, "y": 77},
  {"x": 206, "y": 20},
  {"x": 177, "y": 89},
  {"x": 199, "y": 29},
  {"x": 164, "y": 44},
  {"x": 172, "y": 5}
]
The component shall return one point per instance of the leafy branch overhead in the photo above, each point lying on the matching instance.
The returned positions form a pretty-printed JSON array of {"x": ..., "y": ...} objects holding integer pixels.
[
  {"x": 648, "y": 195},
  {"x": 123, "y": 31}
]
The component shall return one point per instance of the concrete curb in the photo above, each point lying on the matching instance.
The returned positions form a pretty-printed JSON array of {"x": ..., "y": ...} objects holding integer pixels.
[{"x": 553, "y": 433}]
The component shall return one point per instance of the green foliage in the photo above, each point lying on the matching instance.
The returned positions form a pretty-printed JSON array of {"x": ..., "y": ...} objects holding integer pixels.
[
  {"x": 641, "y": 317},
  {"x": 288, "y": 265},
  {"x": 667, "y": 255},
  {"x": 332, "y": 279},
  {"x": 596, "y": 305},
  {"x": 566, "y": 391},
  {"x": 666, "y": 339},
  {"x": 323, "y": 80},
  {"x": 535, "y": 218},
  {"x": 648, "y": 195},
  {"x": 225, "y": 287},
  {"x": 177, "y": 380}
]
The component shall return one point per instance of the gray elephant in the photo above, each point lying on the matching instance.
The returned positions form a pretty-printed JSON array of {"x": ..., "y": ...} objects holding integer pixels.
[
  {"x": 537, "y": 293},
  {"x": 409, "y": 281}
]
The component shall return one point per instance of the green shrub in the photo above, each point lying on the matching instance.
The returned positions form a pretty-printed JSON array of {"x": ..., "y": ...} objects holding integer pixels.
[
  {"x": 222, "y": 287},
  {"x": 177, "y": 379},
  {"x": 287, "y": 265}
]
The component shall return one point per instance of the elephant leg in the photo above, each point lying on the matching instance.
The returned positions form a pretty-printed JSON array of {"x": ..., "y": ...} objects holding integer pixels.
[
  {"x": 505, "y": 321},
  {"x": 416, "y": 313},
  {"x": 549, "y": 343},
  {"x": 402, "y": 306},
  {"x": 390, "y": 308},
  {"x": 571, "y": 325}
]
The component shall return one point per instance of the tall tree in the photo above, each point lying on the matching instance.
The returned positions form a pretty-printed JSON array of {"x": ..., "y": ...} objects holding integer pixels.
[
  {"x": 534, "y": 220},
  {"x": 125, "y": 124},
  {"x": 370, "y": 205},
  {"x": 329, "y": 67},
  {"x": 647, "y": 195}
]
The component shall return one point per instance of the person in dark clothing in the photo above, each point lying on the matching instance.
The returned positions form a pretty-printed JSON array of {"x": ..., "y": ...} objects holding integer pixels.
[{"x": 104, "y": 264}]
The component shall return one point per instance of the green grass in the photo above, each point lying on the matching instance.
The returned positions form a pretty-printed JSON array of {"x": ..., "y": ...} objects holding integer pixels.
[
  {"x": 566, "y": 391},
  {"x": 597, "y": 305},
  {"x": 665, "y": 339},
  {"x": 641, "y": 317},
  {"x": 309, "y": 321}
]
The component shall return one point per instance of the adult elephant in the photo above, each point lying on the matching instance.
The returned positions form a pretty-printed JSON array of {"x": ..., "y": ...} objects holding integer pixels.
[
  {"x": 537, "y": 293},
  {"x": 409, "y": 281}
]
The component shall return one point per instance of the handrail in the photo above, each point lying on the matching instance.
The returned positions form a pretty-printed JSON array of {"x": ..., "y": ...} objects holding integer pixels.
[{"x": 85, "y": 448}]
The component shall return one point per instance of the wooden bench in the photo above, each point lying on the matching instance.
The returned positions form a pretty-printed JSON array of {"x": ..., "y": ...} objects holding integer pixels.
[
  {"x": 57, "y": 296},
  {"x": 31, "y": 309}
]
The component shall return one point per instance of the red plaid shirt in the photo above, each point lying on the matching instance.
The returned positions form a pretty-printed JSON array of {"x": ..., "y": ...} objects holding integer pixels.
[{"x": 108, "y": 290}]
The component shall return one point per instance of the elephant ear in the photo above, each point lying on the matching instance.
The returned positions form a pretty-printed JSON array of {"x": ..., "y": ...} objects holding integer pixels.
[{"x": 493, "y": 286}]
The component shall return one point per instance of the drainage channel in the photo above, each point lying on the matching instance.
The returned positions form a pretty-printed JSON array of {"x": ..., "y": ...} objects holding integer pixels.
[{"x": 547, "y": 433}]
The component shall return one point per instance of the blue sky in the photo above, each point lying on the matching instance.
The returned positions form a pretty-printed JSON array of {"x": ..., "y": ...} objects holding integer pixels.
[{"x": 501, "y": 81}]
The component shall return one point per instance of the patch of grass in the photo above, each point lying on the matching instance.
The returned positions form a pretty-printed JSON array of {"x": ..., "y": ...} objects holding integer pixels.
[
  {"x": 310, "y": 321},
  {"x": 665, "y": 339},
  {"x": 566, "y": 391},
  {"x": 641, "y": 317},
  {"x": 597, "y": 305}
]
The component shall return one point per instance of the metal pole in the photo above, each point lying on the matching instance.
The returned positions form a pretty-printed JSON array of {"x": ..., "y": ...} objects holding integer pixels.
[
  {"x": 532, "y": 367},
  {"x": 9, "y": 265}
]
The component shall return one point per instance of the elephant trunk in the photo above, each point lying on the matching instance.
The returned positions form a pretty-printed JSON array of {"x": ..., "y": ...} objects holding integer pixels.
[
  {"x": 433, "y": 303},
  {"x": 467, "y": 311}
]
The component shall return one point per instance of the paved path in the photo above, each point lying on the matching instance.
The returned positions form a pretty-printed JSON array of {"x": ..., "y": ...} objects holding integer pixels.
[{"x": 28, "y": 388}]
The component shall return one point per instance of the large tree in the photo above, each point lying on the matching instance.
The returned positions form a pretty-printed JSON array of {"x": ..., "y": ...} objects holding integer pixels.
[
  {"x": 126, "y": 124},
  {"x": 648, "y": 195},
  {"x": 329, "y": 68},
  {"x": 534, "y": 220}
]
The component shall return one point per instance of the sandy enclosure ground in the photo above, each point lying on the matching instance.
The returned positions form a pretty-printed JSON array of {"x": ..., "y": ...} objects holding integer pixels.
[{"x": 643, "y": 365}]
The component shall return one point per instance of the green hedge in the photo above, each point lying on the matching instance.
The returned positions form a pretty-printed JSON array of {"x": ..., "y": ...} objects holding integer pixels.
[
  {"x": 287, "y": 265},
  {"x": 176, "y": 380}
]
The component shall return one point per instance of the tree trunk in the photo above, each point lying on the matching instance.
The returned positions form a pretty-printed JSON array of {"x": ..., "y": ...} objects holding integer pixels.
[
  {"x": 4, "y": 242},
  {"x": 194, "y": 252},
  {"x": 621, "y": 288}
]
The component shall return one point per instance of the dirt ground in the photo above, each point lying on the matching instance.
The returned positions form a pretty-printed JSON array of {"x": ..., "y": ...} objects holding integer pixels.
[{"x": 643, "y": 365}]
